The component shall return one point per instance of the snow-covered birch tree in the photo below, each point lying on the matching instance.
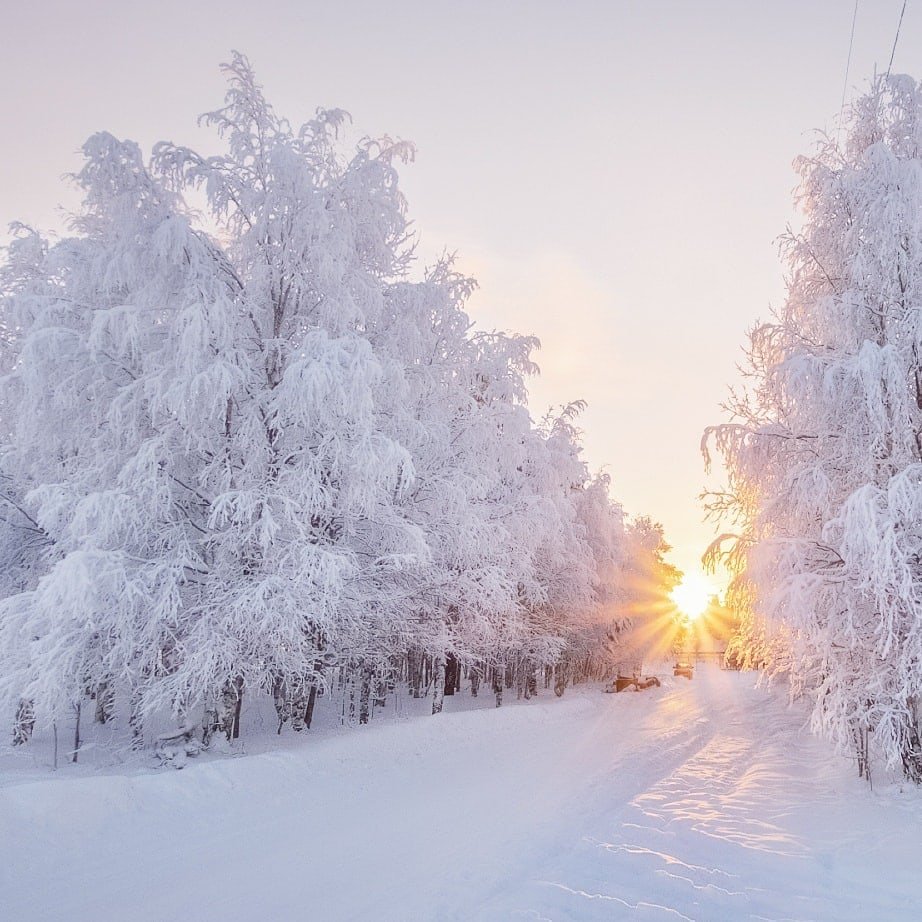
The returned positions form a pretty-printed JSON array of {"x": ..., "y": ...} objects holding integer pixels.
[
  {"x": 245, "y": 450},
  {"x": 824, "y": 450},
  {"x": 197, "y": 421}
]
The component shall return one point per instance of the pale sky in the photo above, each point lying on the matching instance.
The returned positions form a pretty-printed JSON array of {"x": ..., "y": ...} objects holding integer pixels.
[{"x": 614, "y": 173}]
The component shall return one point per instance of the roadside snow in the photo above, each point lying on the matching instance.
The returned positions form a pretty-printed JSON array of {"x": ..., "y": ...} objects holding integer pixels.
[{"x": 700, "y": 800}]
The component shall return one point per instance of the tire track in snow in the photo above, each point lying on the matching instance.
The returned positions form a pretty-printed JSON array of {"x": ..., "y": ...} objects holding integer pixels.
[
  {"x": 749, "y": 825},
  {"x": 655, "y": 734}
]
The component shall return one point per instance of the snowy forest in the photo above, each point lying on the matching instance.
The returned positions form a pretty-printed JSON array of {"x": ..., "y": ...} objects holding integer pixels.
[
  {"x": 506, "y": 505},
  {"x": 250, "y": 448},
  {"x": 824, "y": 448}
]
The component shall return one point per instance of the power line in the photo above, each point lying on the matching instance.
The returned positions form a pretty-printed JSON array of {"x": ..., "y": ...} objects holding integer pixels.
[
  {"x": 848, "y": 64},
  {"x": 896, "y": 38}
]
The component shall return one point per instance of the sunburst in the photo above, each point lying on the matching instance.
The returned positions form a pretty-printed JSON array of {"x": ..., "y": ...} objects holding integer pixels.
[{"x": 692, "y": 595}]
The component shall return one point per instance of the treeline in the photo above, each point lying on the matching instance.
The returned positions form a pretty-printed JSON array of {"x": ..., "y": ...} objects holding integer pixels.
[{"x": 245, "y": 452}]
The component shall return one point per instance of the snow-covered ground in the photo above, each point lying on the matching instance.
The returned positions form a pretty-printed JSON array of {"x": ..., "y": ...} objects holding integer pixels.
[{"x": 699, "y": 800}]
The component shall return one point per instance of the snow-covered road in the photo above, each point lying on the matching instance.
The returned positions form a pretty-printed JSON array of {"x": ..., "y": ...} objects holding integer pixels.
[{"x": 701, "y": 800}]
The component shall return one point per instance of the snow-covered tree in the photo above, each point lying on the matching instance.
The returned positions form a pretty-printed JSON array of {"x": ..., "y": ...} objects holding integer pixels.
[
  {"x": 23, "y": 542},
  {"x": 197, "y": 422},
  {"x": 824, "y": 451},
  {"x": 250, "y": 453}
]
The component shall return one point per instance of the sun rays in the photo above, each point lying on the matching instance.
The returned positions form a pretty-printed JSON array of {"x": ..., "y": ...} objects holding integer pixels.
[{"x": 692, "y": 595}]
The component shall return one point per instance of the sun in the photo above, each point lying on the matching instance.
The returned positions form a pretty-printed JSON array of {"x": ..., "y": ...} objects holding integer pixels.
[{"x": 692, "y": 595}]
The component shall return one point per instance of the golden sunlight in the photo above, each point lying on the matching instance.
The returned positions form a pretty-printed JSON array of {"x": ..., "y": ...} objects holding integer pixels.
[{"x": 692, "y": 595}]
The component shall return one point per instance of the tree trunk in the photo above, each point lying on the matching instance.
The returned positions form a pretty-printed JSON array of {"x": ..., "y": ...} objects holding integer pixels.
[
  {"x": 531, "y": 682},
  {"x": 238, "y": 684},
  {"x": 289, "y": 705},
  {"x": 382, "y": 686},
  {"x": 452, "y": 669},
  {"x": 229, "y": 708},
  {"x": 438, "y": 693},
  {"x": 560, "y": 679},
  {"x": 475, "y": 681},
  {"x": 911, "y": 746},
  {"x": 498, "y": 676},
  {"x": 135, "y": 720},
  {"x": 24, "y": 722},
  {"x": 414, "y": 673},
  {"x": 282, "y": 704},
  {"x": 105, "y": 703},
  {"x": 364, "y": 697},
  {"x": 76, "y": 732},
  {"x": 309, "y": 710},
  {"x": 210, "y": 721},
  {"x": 860, "y": 735},
  {"x": 298, "y": 708}
]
